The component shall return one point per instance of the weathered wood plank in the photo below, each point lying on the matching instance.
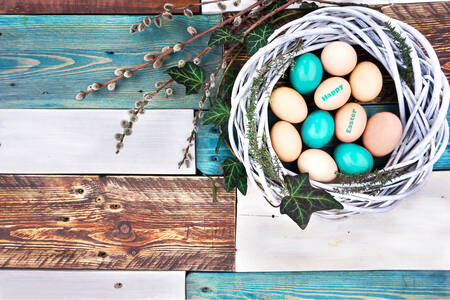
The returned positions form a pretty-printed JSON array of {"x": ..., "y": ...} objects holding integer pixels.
[
  {"x": 413, "y": 235},
  {"x": 85, "y": 6},
  {"x": 320, "y": 285},
  {"x": 72, "y": 285},
  {"x": 113, "y": 222},
  {"x": 51, "y": 141},
  {"x": 46, "y": 60}
]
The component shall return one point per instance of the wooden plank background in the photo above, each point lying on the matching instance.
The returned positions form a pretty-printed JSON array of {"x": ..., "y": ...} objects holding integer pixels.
[
  {"x": 115, "y": 223},
  {"x": 46, "y": 60},
  {"x": 75, "y": 285},
  {"x": 320, "y": 285}
]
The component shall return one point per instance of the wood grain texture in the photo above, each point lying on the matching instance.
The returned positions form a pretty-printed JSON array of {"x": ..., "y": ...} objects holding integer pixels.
[
  {"x": 46, "y": 60},
  {"x": 76, "y": 141},
  {"x": 320, "y": 285},
  {"x": 75, "y": 285},
  {"x": 133, "y": 223},
  {"x": 412, "y": 236},
  {"x": 85, "y": 6}
]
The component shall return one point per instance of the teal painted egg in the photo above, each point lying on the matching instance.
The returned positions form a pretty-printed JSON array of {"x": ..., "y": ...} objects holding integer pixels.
[
  {"x": 353, "y": 159},
  {"x": 306, "y": 74},
  {"x": 318, "y": 129}
]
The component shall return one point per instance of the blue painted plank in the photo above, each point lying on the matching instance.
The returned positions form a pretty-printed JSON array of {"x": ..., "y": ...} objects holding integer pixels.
[
  {"x": 320, "y": 285},
  {"x": 46, "y": 60}
]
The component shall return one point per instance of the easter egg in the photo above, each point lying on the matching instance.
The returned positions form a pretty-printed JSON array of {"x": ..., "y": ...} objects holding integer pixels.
[
  {"x": 383, "y": 133},
  {"x": 353, "y": 159},
  {"x": 318, "y": 129},
  {"x": 319, "y": 164},
  {"x": 338, "y": 58},
  {"x": 306, "y": 74},
  {"x": 288, "y": 105},
  {"x": 286, "y": 141},
  {"x": 332, "y": 93},
  {"x": 366, "y": 81},
  {"x": 350, "y": 122}
]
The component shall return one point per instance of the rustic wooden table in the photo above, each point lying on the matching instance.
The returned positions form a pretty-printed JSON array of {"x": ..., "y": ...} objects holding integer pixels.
[{"x": 68, "y": 203}]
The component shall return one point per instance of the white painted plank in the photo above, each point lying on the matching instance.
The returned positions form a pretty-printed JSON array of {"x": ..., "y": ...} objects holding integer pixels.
[
  {"x": 71, "y": 285},
  {"x": 213, "y": 9},
  {"x": 75, "y": 141},
  {"x": 414, "y": 235}
]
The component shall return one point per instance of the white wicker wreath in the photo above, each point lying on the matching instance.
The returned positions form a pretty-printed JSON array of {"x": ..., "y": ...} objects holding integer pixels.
[{"x": 426, "y": 131}]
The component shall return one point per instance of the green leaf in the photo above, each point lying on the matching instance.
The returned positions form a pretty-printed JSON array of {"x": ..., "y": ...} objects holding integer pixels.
[
  {"x": 218, "y": 115},
  {"x": 228, "y": 83},
  {"x": 219, "y": 141},
  {"x": 257, "y": 38},
  {"x": 303, "y": 200},
  {"x": 223, "y": 35},
  {"x": 234, "y": 175},
  {"x": 191, "y": 76}
]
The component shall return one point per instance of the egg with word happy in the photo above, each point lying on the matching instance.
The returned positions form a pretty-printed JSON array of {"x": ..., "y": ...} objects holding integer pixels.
[
  {"x": 288, "y": 105},
  {"x": 366, "y": 81},
  {"x": 338, "y": 58},
  {"x": 332, "y": 93},
  {"x": 306, "y": 74},
  {"x": 318, "y": 129},
  {"x": 350, "y": 122},
  {"x": 286, "y": 141},
  {"x": 353, "y": 158},
  {"x": 318, "y": 164},
  {"x": 383, "y": 133}
]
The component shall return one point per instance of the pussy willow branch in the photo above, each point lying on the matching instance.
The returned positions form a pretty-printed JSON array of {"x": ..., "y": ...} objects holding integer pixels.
[
  {"x": 262, "y": 19},
  {"x": 192, "y": 39}
]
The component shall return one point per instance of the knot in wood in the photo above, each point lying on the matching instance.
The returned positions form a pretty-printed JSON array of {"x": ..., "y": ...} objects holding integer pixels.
[{"x": 124, "y": 227}]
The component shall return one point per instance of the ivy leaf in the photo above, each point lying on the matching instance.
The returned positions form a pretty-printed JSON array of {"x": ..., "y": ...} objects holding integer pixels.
[
  {"x": 223, "y": 35},
  {"x": 257, "y": 38},
  {"x": 228, "y": 83},
  {"x": 303, "y": 200},
  {"x": 191, "y": 76},
  {"x": 218, "y": 115},
  {"x": 234, "y": 175}
]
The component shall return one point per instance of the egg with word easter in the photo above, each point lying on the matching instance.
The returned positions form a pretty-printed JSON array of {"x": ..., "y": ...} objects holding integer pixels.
[
  {"x": 353, "y": 158},
  {"x": 288, "y": 105},
  {"x": 318, "y": 129},
  {"x": 286, "y": 141},
  {"x": 306, "y": 74},
  {"x": 366, "y": 81},
  {"x": 318, "y": 164},
  {"x": 383, "y": 133},
  {"x": 338, "y": 58},
  {"x": 332, "y": 93},
  {"x": 350, "y": 122}
]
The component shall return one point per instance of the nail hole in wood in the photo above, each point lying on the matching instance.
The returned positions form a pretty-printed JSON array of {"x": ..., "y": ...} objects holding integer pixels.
[
  {"x": 205, "y": 289},
  {"x": 12, "y": 84},
  {"x": 114, "y": 206},
  {"x": 65, "y": 219},
  {"x": 1, "y": 34},
  {"x": 273, "y": 216},
  {"x": 102, "y": 254},
  {"x": 140, "y": 91},
  {"x": 99, "y": 199},
  {"x": 118, "y": 285},
  {"x": 214, "y": 158},
  {"x": 79, "y": 191},
  {"x": 133, "y": 252},
  {"x": 109, "y": 52}
]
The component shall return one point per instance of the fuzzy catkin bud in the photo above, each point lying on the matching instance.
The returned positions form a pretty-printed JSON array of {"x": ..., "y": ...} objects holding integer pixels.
[
  {"x": 141, "y": 27},
  {"x": 147, "y": 21},
  {"x": 168, "y": 92},
  {"x": 80, "y": 96},
  {"x": 168, "y": 7},
  {"x": 237, "y": 21},
  {"x": 128, "y": 131},
  {"x": 118, "y": 137},
  {"x": 133, "y": 28},
  {"x": 149, "y": 57},
  {"x": 188, "y": 13},
  {"x": 221, "y": 6},
  {"x": 236, "y": 3},
  {"x": 118, "y": 72},
  {"x": 197, "y": 60},
  {"x": 148, "y": 97},
  {"x": 111, "y": 86},
  {"x": 212, "y": 77},
  {"x": 158, "y": 84},
  {"x": 167, "y": 15},
  {"x": 158, "y": 63},
  {"x": 133, "y": 118},
  {"x": 119, "y": 146},
  {"x": 125, "y": 124},
  {"x": 207, "y": 93},
  {"x": 191, "y": 30},
  {"x": 178, "y": 47},
  {"x": 128, "y": 74},
  {"x": 224, "y": 65},
  {"x": 157, "y": 21},
  {"x": 96, "y": 86},
  {"x": 165, "y": 48},
  {"x": 181, "y": 63}
]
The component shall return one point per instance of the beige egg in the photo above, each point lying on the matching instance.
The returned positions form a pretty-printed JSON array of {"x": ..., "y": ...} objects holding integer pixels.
[
  {"x": 332, "y": 93},
  {"x": 350, "y": 122},
  {"x": 338, "y": 58},
  {"x": 286, "y": 141},
  {"x": 288, "y": 105},
  {"x": 366, "y": 81},
  {"x": 383, "y": 133},
  {"x": 319, "y": 164}
]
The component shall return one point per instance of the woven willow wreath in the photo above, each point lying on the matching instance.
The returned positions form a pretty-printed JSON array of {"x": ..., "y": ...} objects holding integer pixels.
[{"x": 422, "y": 110}]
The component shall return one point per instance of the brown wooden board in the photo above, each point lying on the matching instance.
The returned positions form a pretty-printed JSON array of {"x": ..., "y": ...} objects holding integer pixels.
[
  {"x": 86, "y": 6},
  {"x": 116, "y": 222}
]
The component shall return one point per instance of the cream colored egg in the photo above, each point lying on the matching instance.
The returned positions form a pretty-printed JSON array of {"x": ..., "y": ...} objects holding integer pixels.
[
  {"x": 332, "y": 93},
  {"x": 338, "y": 58},
  {"x": 383, "y": 133},
  {"x": 319, "y": 164},
  {"x": 350, "y": 122},
  {"x": 366, "y": 81},
  {"x": 288, "y": 105},
  {"x": 286, "y": 141}
]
